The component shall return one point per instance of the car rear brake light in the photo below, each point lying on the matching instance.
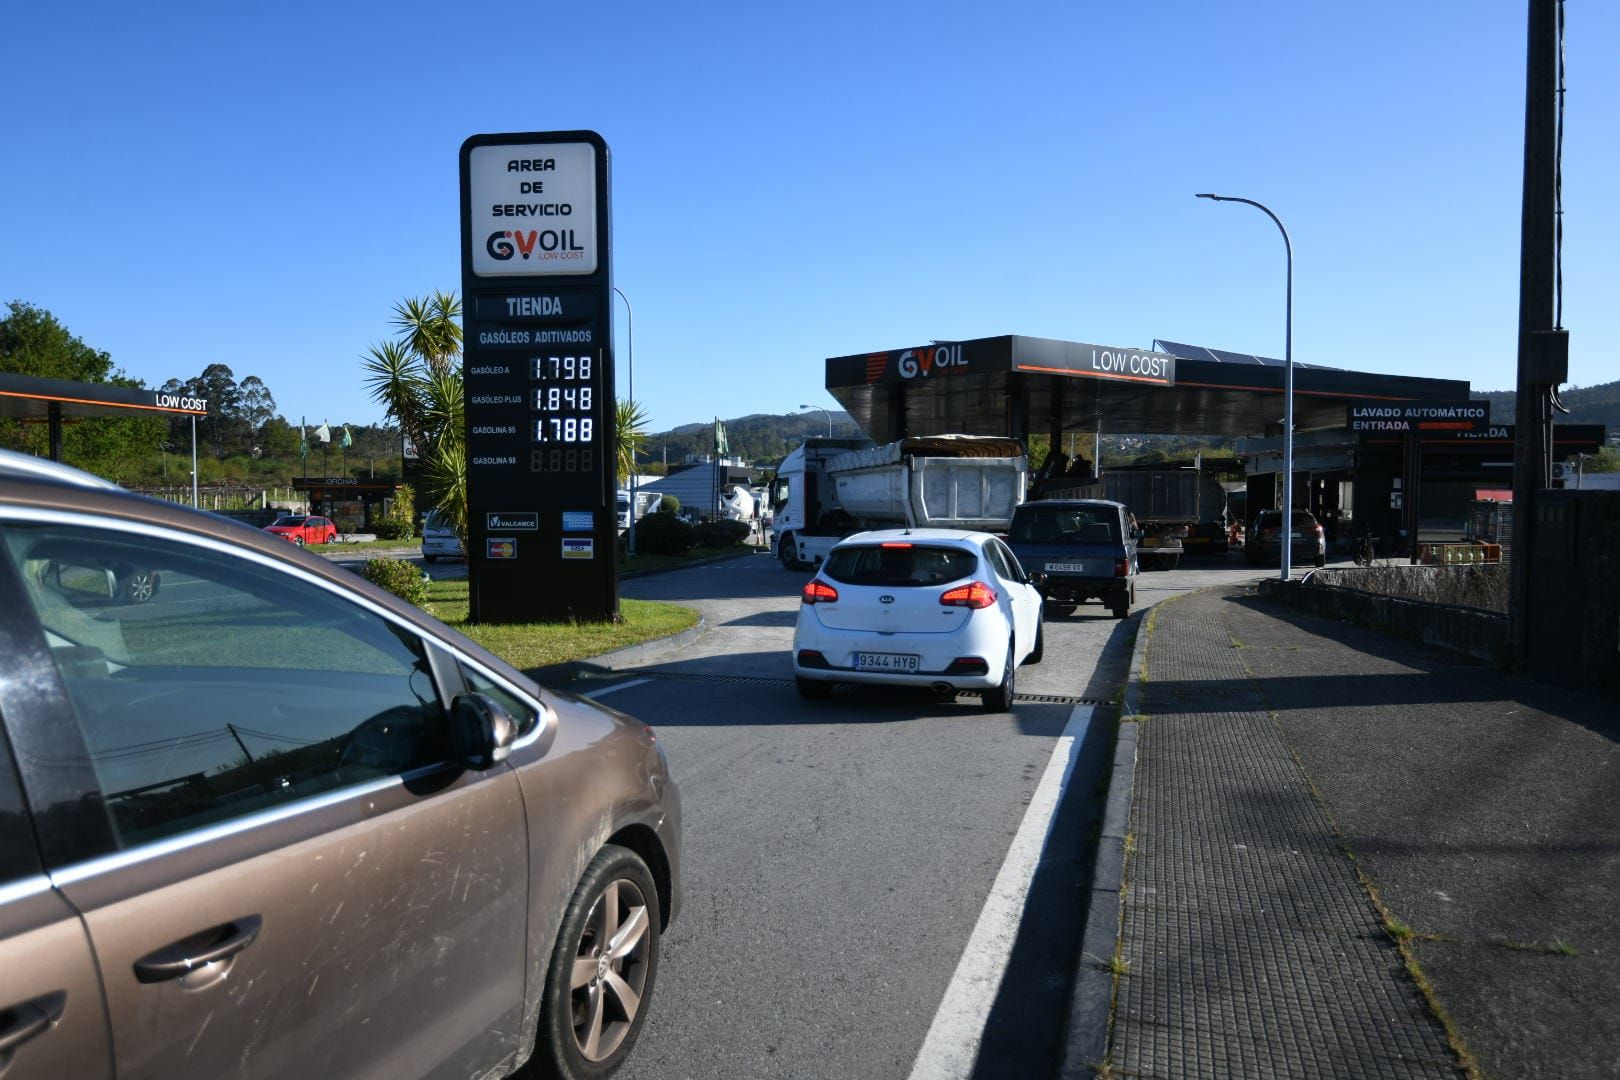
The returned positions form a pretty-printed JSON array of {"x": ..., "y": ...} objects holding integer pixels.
[
  {"x": 1122, "y": 568},
  {"x": 812, "y": 659},
  {"x": 817, "y": 591},
  {"x": 895, "y": 544},
  {"x": 975, "y": 595},
  {"x": 968, "y": 665}
]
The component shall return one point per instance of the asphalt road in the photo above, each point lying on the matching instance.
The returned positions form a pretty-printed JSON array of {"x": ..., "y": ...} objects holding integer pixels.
[{"x": 839, "y": 853}]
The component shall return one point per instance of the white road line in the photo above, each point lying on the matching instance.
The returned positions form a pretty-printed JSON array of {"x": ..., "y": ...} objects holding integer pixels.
[
  {"x": 615, "y": 688},
  {"x": 952, "y": 1045}
]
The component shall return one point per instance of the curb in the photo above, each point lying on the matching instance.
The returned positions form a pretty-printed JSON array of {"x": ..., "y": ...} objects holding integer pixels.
[
  {"x": 552, "y": 676},
  {"x": 726, "y": 557},
  {"x": 1092, "y": 1002}
]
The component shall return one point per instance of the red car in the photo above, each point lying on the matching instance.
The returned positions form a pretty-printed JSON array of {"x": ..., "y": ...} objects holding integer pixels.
[{"x": 301, "y": 529}]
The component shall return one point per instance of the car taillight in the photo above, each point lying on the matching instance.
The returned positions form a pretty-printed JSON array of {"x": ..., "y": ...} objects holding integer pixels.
[
  {"x": 1319, "y": 531},
  {"x": 817, "y": 591},
  {"x": 975, "y": 595},
  {"x": 1122, "y": 568}
]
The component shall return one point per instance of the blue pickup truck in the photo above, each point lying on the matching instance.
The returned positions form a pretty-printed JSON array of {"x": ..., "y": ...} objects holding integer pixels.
[{"x": 1084, "y": 546}]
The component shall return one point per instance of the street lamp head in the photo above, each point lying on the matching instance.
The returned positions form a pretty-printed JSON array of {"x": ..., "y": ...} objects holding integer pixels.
[{"x": 1207, "y": 195}]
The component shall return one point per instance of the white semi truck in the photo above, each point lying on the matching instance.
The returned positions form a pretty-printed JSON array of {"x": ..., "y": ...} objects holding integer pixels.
[{"x": 827, "y": 489}]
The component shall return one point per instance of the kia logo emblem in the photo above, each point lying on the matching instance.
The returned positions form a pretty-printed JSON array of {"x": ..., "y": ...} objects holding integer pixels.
[{"x": 885, "y": 599}]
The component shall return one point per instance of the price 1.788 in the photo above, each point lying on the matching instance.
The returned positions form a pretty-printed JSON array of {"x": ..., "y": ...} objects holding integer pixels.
[{"x": 560, "y": 429}]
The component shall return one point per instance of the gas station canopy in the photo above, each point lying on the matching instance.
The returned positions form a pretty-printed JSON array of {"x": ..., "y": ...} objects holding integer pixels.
[
  {"x": 28, "y": 397},
  {"x": 1012, "y": 385}
]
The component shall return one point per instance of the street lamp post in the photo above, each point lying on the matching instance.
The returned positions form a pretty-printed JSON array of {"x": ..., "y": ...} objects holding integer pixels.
[
  {"x": 1287, "y": 530},
  {"x": 825, "y": 413},
  {"x": 630, "y": 364}
]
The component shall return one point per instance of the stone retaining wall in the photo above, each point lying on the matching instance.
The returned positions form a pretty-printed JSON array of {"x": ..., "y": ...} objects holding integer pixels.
[
  {"x": 1482, "y": 635},
  {"x": 1476, "y": 585}
]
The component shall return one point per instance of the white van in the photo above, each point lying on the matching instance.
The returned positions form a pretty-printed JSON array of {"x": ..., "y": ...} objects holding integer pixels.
[{"x": 439, "y": 539}]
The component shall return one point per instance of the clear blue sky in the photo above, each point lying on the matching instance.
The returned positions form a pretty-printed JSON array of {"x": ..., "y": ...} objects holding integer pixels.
[{"x": 192, "y": 183}]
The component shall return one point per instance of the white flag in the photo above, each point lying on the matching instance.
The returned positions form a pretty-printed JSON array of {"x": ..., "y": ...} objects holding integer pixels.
[{"x": 323, "y": 433}]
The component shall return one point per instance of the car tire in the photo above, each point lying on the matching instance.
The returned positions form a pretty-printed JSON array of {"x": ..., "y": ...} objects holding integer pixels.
[
  {"x": 1321, "y": 560},
  {"x": 784, "y": 552},
  {"x": 1000, "y": 698},
  {"x": 299, "y": 540},
  {"x": 138, "y": 586},
  {"x": 1039, "y": 650},
  {"x": 616, "y": 891},
  {"x": 1122, "y": 606},
  {"x": 813, "y": 689},
  {"x": 1063, "y": 611}
]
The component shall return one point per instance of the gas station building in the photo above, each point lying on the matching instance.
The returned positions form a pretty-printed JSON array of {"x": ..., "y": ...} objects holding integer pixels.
[{"x": 1015, "y": 385}]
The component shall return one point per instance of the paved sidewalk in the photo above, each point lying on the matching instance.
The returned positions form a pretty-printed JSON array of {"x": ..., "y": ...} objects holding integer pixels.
[{"x": 1320, "y": 810}]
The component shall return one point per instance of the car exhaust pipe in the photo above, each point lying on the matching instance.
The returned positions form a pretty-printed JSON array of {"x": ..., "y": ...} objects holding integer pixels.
[{"x": 943, "y": 688}]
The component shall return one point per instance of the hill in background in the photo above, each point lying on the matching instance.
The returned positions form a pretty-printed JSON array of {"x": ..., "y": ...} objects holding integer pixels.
[{"x": 1587, "y": 405}]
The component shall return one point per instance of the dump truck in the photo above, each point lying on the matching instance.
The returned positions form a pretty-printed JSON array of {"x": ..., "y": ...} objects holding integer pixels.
[
  {"x": 1177, "y": 509},
  {"x": 828, "y": 489}
]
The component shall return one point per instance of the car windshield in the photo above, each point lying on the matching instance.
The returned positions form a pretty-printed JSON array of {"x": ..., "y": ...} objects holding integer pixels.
[
  {"x": 898, "y": 565},
  {"x": 288, "y": 522},
  {"x": 1065, "y": 524}
]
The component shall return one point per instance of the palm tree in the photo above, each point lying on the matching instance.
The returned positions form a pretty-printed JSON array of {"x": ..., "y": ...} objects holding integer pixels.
[
  {"x": 430, "y": 327},
  {"x": 416, "y": 378},
  {"x": 394, "y": 377},
  {"x": 630, "y": 430}
]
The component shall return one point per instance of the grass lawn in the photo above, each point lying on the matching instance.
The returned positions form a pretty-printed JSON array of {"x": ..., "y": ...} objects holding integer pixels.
[{"x": 532, "y": 645}]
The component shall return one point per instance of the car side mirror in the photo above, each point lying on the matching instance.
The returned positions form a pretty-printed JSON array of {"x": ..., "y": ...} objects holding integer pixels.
[
  {"x": 481, "y": 731},
  {"x": 1036, "y": 578}
]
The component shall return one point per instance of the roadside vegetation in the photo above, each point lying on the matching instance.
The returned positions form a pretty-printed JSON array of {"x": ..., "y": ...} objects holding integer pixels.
[{"x": 533, "y": 645}]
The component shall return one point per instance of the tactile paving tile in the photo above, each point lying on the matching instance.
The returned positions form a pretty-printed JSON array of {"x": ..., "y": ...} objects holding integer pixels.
[{"x": 1252, "y": 949}]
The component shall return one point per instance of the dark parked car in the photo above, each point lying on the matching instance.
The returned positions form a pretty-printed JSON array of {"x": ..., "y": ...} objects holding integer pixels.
[
  {"x": 1084, "y": 546},
  {"x": 1264, "y": 542},
  {"x": 277, "y": 822}
]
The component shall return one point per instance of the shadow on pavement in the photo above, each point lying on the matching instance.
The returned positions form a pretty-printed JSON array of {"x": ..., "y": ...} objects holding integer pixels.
[
  {"x": 1025, "y": 1033},
  {"x": 769, "y": 698}
]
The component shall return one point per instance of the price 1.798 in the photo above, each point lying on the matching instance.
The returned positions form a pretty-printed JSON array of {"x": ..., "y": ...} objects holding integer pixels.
[
  {"x": 560, "y": 368},
  {"x": 558, "y": 429}
]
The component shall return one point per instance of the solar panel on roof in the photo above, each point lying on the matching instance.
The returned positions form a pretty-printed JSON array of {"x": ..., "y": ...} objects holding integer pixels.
[{"x": 1222, "y": 356}]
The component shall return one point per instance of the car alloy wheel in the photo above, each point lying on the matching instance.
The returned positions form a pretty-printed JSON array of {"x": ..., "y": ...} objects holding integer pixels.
[
  {"x": 299, "y": 540},
  {"x": 602, "y": 970},
  {"x": 139, "y": 586},
  {"x": 610, "y": 970}
]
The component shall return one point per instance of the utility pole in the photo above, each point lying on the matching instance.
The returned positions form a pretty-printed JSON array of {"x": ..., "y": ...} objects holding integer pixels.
[{"x": 1543, "y": 347}]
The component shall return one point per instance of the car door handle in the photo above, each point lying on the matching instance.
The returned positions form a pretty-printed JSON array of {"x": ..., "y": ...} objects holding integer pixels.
[
  {"x": 19, "y": 1023},
  {"x": 173, "y": 961}
]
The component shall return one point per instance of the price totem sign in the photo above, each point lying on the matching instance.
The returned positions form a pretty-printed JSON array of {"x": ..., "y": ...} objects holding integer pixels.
[{"x": 536, "y": 278}]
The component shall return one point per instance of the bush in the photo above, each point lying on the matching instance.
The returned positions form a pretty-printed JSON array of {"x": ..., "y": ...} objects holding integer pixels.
[
  {"x": 720, "y": 534},
  {"x": 664, "y": 534},
  {"x": 669, "y": 504},
  {"x": 398, "y": 577},
  {"x": 398, "y": 523}
]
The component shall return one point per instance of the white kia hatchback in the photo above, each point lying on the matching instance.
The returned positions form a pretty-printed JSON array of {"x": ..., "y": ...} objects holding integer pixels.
[{"x": 937, "y": 608}]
